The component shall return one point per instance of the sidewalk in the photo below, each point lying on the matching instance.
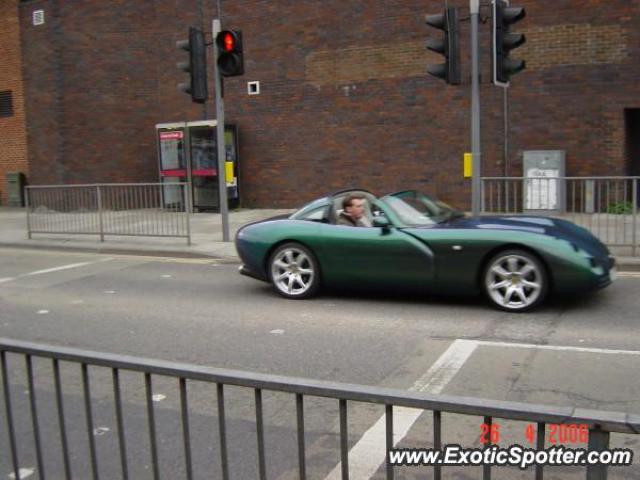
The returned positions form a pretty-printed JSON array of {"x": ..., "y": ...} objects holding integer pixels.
[{"x": 206, "y": 238}]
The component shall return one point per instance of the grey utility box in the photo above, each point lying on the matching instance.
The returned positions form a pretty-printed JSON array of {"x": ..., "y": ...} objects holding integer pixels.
[
  {"x": 544, "y": 184},
  {"x": 15, "y": 189}
]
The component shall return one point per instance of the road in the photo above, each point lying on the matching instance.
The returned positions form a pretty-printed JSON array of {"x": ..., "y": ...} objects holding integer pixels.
[{"x": 582, "y": 353}]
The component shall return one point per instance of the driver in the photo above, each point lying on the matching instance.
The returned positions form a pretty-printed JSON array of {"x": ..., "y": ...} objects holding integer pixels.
[{"x": 353, "y": 212}]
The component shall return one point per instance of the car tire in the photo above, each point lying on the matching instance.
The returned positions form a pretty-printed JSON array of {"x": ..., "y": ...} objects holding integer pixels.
[
  {"x": 515, "y": 281},
  {"x": 294, "y": 271}
]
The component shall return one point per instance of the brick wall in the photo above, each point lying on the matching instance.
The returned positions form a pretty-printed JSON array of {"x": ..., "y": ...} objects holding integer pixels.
[
  {"x": 13, "y": 141},
  {"x": 575, "y": 44},
  {"x": 345, "y": 98}
]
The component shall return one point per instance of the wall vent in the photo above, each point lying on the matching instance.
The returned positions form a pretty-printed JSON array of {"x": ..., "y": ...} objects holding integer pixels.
[
  {"x": 38, "y": 17},
  {"x": 253, "y": 88}
]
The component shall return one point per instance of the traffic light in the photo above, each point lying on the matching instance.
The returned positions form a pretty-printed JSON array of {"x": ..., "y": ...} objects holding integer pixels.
[
  {"x": 230, "y": 58},
  {"x": 196, "y": 67},
  {"x": 504, "y": 42},
  {"x": 449, "y": 46}
]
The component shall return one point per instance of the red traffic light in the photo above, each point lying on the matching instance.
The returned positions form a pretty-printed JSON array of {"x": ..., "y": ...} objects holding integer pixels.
[
  {"x": 228, "y": 42},
  {"x": 230, "y": 57}
]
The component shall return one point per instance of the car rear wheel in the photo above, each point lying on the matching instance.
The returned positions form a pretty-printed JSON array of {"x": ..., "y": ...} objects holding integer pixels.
[
  {"x": 515, "y": 280},
  {"x": 294, "y": 272}
]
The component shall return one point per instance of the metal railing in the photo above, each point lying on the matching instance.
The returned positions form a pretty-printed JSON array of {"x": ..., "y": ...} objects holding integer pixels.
[
  {"x": 119, "y": 209},
  {"x": 607, "y": 206},
  {"x": 599, "y": 423}
]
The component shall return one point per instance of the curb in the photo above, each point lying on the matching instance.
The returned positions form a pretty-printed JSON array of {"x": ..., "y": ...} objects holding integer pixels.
[
  {"x": 124, "y": 251},
  {"x": 628, "y": 267},
  {"x": 631, "y": 266}
]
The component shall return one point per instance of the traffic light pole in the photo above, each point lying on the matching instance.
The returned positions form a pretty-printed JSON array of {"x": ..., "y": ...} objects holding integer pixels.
[
  {"x": 222, "y": 177},
  {"x": 476, "y": 181}
]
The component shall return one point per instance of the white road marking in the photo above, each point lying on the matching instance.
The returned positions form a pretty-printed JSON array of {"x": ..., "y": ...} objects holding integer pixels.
[
  {"x": 42, "y": 312},
  {"x": 54, "y": 269},
  {"x": 167, "y": 276},
  {"x": 629, "y": 274},
  {"x": 64, "y": 267},
  {"x": 557, "y": 347},
  {"x": 366, "y": 456},
  {"x": 277, "y": 331},
  {"x": 110, "y": 292},
  {"x": 23, "y": 473}
]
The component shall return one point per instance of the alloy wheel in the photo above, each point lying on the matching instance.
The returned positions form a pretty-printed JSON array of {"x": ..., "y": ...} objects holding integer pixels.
[
  {"x": 515, "y": 281},
  {"x": 292, "y": 271}
]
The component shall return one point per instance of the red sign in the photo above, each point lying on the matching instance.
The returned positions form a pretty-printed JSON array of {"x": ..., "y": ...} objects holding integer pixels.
[
  {"x": 171, "y": 135},
  {"x": 173, "y": 173},
  {"x": 205, "y": 172}
]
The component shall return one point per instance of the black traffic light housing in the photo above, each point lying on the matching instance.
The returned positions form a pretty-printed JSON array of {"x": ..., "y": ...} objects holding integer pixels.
[
  {"x": 230, "y": 56},
  {"x": 505, "y": 41},
  {"x": 449, "y": 46},
  {"x": 196, "y": 66}
]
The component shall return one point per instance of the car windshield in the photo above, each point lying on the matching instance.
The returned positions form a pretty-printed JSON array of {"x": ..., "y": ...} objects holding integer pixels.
[{"x": 415, "y": 208}]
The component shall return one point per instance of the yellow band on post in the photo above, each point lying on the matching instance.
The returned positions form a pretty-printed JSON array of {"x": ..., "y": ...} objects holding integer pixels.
[
  {"x": 228, "y": 171},
  {"x": 468, "y": 165}
]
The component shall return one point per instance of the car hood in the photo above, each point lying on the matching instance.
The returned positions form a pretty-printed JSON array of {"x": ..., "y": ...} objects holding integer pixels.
[
  {"x": 555, "y": 227},
  {"x": 282, "y": 216}
]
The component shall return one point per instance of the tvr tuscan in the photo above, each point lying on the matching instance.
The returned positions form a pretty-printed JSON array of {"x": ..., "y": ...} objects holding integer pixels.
[{"x": 418, "y": 242}]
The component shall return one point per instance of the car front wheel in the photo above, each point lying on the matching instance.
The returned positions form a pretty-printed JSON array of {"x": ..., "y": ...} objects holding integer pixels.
[
  {"x": 294, "y": 272},
  {"x": 515, "y": 280}
]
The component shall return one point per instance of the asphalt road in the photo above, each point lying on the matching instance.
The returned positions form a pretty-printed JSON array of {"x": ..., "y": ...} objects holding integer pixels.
[{"x": 202, "y": 312}]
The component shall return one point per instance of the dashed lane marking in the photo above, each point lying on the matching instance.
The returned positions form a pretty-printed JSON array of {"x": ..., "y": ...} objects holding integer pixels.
[
  {"x": 54, "y": 269},
  {"x": 566, "y": 348}
]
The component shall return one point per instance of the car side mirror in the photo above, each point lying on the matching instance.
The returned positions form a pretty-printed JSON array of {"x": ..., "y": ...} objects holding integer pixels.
[{"x": 381, "y": 221}]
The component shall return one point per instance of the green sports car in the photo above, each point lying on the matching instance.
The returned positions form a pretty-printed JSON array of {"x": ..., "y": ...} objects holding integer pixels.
[{"x": 418, "y": 242}]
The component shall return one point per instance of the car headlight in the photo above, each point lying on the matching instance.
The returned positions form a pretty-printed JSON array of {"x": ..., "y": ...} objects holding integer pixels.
[{"x": 593, "y": 261}]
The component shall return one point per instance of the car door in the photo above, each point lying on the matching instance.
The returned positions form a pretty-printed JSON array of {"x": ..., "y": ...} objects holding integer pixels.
[{"x": 374, "y": 256}]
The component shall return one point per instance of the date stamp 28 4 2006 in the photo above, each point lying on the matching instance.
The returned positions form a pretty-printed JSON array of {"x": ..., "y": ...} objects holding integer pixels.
[{"x": 555, "y": 433}]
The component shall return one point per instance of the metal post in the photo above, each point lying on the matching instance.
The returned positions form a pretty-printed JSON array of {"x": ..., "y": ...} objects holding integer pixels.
[
  {"x": 474, "y": 7},
  {"x": 598, "y": 441},
  {"x": 187, "y": 157},
  {"x": 187, "y": 193},
  {"x": 222, "y": 180},
  {"x": 634, "y": 218},
  {"x": 28, "y": 206},
  {"x": 505, "y": 105},
  {"x": 99, "y": 200},
  {"x": 344, "y": 440}
]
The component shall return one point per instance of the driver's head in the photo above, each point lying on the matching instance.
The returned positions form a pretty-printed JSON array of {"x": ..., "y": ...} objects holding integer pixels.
[{"x": 354, "y": 205}]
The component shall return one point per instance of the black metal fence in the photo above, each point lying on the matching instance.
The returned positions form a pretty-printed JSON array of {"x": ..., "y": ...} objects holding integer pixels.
[{"x": 600, "y": 424}]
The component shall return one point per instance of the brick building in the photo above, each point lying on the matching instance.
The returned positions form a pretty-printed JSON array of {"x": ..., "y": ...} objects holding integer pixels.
[
  {"x": 13, "y": 140},
  {"x": 345, "y": 98}
]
